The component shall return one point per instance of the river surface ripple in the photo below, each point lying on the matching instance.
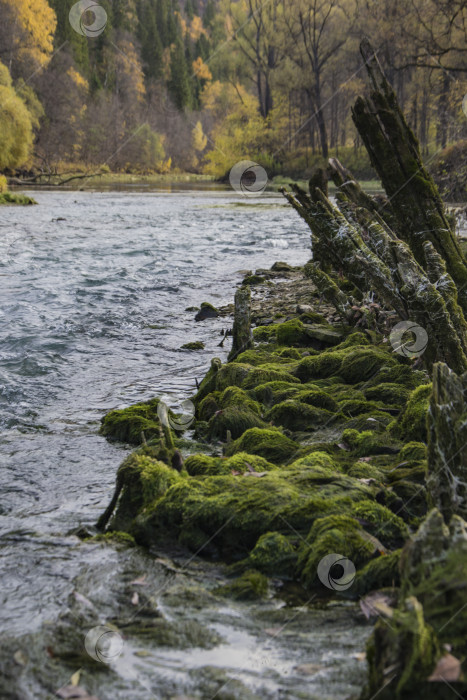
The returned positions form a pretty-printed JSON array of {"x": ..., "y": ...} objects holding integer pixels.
[{"x": 94, "y": 287}]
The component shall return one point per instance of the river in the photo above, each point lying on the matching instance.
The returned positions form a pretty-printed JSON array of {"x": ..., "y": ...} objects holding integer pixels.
[{"x": 95, "y": 287}]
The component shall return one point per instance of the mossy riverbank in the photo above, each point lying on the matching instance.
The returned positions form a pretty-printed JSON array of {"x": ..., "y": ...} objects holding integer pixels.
[{"x": 313, "y": 442}]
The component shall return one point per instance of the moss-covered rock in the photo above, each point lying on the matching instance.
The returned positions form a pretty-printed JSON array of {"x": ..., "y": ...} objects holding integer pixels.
[
  {"x": 360, "y": 365},
  {"x": 333, "y": 533},
  {"x": 141, "y": 481},
  {"x": 209, "y": 406},
  {"x": 127, "y": 424},
  {"x": 234, "y": 396},
  {"x": 267, "y": 373},
  {"x": 289, "y": 353},
  {"x": 235, "y": 420},
  {"x": 319, "y": 459},
  {"x": 380, "y": 522},
  {"x": 270, "y": 444},
  {"x": 273, "y": 555},
  {"x": 203, "y": 465},
  {"x": 264, "y": 334},
  {"x": 193, "y": 345},
  {"x": 252, "y": 585},
  {"x": 292, "y": 333},
  {"x": 382, "y": 572},
  {"x": 242, "y": 462},
  {"x": 367, "y": 442},
  {"x": 388, "y": 392},
  {"x": 355, "y": 407},
  {"x": 274, "y": 392},
  {"x": 319, "y": 399},
  {"x": 411, "y": 424},
  {"x": 295, "y": 415}
]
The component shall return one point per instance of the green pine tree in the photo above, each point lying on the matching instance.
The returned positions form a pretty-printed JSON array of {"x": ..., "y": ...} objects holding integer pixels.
[{"x": 179, "y": 84}]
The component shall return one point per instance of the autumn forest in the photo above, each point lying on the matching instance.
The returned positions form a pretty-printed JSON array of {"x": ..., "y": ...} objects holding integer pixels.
[{"x": 196, "y": 85}]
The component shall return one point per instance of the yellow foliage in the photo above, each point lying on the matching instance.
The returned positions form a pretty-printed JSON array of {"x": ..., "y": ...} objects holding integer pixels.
[
  {"x": 199, "y": 139},
  {"x": 36, "y": 22},
  {"x": 78, "y": 79},
  {"x": 221, "y": 98},
  {"x": 16, "y": 136},
  {"x": 201, "y": 70},
  {"x": 196, "y": 28},
  {"x": 3, "y": 184}
]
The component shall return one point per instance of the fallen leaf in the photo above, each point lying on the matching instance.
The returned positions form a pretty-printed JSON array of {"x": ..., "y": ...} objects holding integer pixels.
[
  {"x": 359, "y": 656},
  {"x": 142, "y": 653},
  {"x": 75, "y": 678},
  {"x": 365, "y": 459},
  {"x": 20, "y": 657},
  {"x": 375, "y": 604},
  {"x": 343, "y": 446},
  {"x": 135, "y": 598},
  {"x": 448, "y": 669},
  {"x": 141, "y": 581},
  {"x": 273, "y": 631}
]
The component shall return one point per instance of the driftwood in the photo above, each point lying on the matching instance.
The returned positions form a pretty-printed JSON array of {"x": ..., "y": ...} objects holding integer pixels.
[{"x": 397, "y": 249}]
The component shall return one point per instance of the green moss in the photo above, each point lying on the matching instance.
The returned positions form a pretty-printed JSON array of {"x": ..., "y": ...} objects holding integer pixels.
[
  {"x": 353, "y": 339},
  {"x": 399, "y": 374},
  {"x": 273, "y": 555},
  {"x": 275, "y": 392},
  {"x": 366, "y": 443},
  {"x": 354, "y": 407},
  {"x": 318, "y": 459},
  {"x": 202, "y": 465},
  {"x": 115, "y": 537},
  {"x": 389, "y": 392},
  {"x": 234, "y": 419},
  {"x": 294, "y": 415},
  {"x": 252, "y": 585},
  {"x": 320, "y": 366},
  {"x": 319, "y": 399},
  {"x": 231, "y": 374},
  {"x": 333, "y": 533},
  {"x": 261, "y": 375},
  {"x": 411, "y": 424},
  {"x": 413, "y": 452},
  {"x": 234, "y": 396},
  {"x": 382, "y": 572},
  {"x": 256, "y": 357},
  {"x": 144, "y": 480},
  {"x": 289, "y": 353},
  {"x": 360, "y": 365},
  {"x": 209, "y": 406},
  {"x": 241, "y": 462},
  {"x": 363, "y": 470},
  {"x": 381, "y": 522},
  {"x": 270, "y": 444},
  {"x": 10, "y": 198},
  {"x": 313, "y": 317},
  {"x": 253, "y": 279},
  {"x": 263, "y": 334},
  {"x": 292, "y": 333},
  {"x": 194, "y": 345},
  {"x": 127, "y": 424}
]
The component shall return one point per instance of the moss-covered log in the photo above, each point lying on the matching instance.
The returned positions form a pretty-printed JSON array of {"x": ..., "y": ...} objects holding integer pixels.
[{"x": 242, "y": 322}]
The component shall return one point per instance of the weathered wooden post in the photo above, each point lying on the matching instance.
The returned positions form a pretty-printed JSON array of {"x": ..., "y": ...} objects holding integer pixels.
[
  {"x": 242, "y": 322},
  {"x": 447, "y": 442}
]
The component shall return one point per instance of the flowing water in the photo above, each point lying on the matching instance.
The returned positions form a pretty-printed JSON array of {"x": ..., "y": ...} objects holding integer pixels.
[{"x": 94, "y": 289}]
